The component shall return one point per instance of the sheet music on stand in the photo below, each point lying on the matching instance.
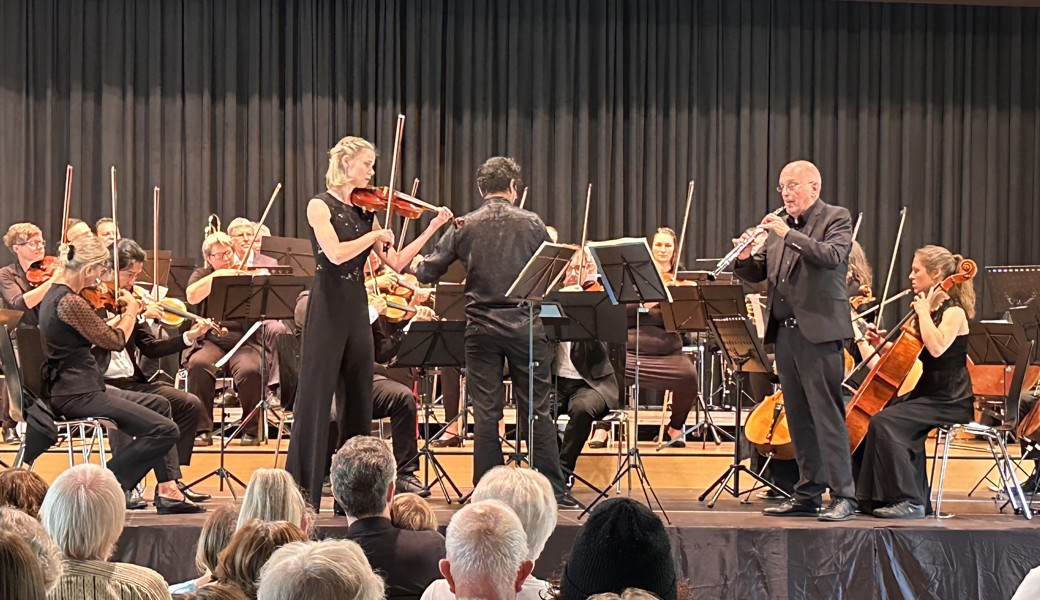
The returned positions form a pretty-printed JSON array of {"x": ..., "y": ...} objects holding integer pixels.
[
  {"x": 1012, "y": 286},
  {"x": 623, "y": 265},
  {"x": 542, "y": 272}
]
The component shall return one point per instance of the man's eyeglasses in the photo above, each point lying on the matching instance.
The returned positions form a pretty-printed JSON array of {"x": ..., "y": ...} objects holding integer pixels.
[
  {"x": 222, "y": 255},
  {"x": 790, "y": 187},
  {"x": 33, "y": 243}
]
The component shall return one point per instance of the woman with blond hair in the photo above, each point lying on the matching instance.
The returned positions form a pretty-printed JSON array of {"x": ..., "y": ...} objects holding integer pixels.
[
  {"x": 892, "y": 478},
  {"x": 83, "y": 513},
  {"x": 272, "y": 495},
  {"x": 249, "y": 549},
  {"x": 338, "y": 356}
]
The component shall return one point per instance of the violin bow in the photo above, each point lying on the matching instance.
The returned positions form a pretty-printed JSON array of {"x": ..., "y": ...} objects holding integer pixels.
[
  {"x": 115, "y": 244},
  {"x": 584, "y": 236},
  {"x": 398, "y": 138},
  {"x": 68, "y": 201},
  {"x": 855, "y": 228},
  {"x": 155, "y": 242},
  {"x": 404, "y": 226},
  {"x": 685, "y": 222},
  {"x": 259, "y": 226},
  {"x": 891, "y": 267},
  {"x": 523, "y": 197}
]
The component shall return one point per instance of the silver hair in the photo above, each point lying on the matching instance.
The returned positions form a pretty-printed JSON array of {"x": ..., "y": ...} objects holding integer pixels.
[
  {"x": 362, "y": 472},
  {"x": 272, "y": 495},
  {"x": 218, "y": 237},
  {"x": 486, "y": 546},
  {"x": 27, "y": 528},
  {"x": 239, "y": 223},
  {"x": 529, "y": 494},
  {"x": 83, "y": 512},
  {"x": 326, "y": 569}
]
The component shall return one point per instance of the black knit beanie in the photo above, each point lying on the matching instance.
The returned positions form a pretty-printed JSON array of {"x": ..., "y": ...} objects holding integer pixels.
[{"x": 622, "y": 545}]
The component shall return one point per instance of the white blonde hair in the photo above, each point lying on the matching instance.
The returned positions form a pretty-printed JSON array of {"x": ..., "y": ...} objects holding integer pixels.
[
  {"x": 239, "y": 223},
  {"x": 83, "y": 512},
  {"x": 348, "y": 148},
  {"x": 213, "y": 239},
  {"x": 318, "y": 570},
  {"x": 272, "y": 495},
  {"x": 27, "y": 528},
  {"x": 485, "y": 547},
  {"x": 529, "y": 494}
]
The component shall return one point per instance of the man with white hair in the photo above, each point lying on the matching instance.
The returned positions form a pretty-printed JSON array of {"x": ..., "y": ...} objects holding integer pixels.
[
  {"x": 313, "y": 570},
  {"x": 83, "y": 512},
  {"x": 529, "y": 495},
  {"x": 487, "y": 552},
  {"x": 363, "y": 476}
]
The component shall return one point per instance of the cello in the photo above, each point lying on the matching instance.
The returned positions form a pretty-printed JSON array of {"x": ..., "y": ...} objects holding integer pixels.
[{"x": 885, "y": 378}]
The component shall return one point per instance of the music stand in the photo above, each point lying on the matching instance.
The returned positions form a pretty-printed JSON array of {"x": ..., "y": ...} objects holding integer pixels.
[
  {"x": 433, "y": 344},
  {"x": 630, "y": 276},
  {"x": 181, "y": 269},
  {"x": 450, "y": 301},
  {"x": 296, "y": 253},
  {"x": 146, "y": 276},
  {"x": 744, "y": 352},
  {"x": 250, "y": 298},
  {"x": 1013, "y": 286}
]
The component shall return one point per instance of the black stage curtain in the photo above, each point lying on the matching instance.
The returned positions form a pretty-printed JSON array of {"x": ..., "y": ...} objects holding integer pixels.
[{"x": 925, "y": 106}]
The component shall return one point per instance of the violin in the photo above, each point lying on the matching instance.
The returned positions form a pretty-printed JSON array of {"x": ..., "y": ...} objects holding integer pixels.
[
  {"x": 398, "y": 310},
  {"x": 887, "y": 376},
  {"x": 41, "y": 270},
  {"x": 175, "y": 311},
  {"x": 374, "y": 199},
  {"x": 100, "y": 297}
]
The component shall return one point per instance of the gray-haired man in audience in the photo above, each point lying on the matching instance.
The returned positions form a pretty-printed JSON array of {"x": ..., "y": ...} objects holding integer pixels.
[{"x": 487, "y": 552}]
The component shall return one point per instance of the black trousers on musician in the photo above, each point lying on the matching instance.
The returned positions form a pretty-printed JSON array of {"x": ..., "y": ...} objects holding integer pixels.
[
  {"x": 244, "y": 367},
  {"x": 144, "y": 425},
  {"x": 393, "y": 400},
  {"x": 583, "y": 406},
  {"x": 485, "y": 358},
  {"x": 674, "y": 372},
  {"x": 810, "y": 375},
  {"x": 187, "y": 411}
]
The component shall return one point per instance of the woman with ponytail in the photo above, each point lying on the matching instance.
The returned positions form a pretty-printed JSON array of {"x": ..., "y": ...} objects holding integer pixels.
[
  {"x": 74, "y": 385},
  {"x": 892, "y": 480}
]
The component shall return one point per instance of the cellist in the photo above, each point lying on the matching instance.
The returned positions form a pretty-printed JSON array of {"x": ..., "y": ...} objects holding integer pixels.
[{"x": 892, "y": 482}]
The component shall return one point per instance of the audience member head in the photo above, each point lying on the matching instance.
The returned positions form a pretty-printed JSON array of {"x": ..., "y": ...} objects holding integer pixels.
[
  {"x": 21, "y": 575},
  {"x": 249, "y": 549},
  {"x": 83, "y": 512},
  {"x": 22, "y": 489},
  {"x": 217, "y": 591},
  {"x": 499, "y": 176},
  {"x": 486, "y": 552},
  {"x": 628, "y": 594},
  {"x": 623, "y": 544},
  {"x": 216, "y": 533},
  {"x": 363, "y": 473},
  {"x": 327, "y": 569},
  {"x": 530, "y": 495},
  {"x": 409, "y": 511},
  {"x": 272, "y": 495},
  {"x": 22, "y": 526}
]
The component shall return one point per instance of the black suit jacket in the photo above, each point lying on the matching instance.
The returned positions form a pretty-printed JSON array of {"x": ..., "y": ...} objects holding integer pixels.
[
  {"x": 142, "y": 341},
  {"x": 592, "y": 362},
  {"x": 816, "y": 278},
  {"x": 407, "y": 560}
]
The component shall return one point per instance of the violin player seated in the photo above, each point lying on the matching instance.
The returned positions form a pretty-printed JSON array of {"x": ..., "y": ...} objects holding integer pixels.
[{"x": 892, "y": 482}]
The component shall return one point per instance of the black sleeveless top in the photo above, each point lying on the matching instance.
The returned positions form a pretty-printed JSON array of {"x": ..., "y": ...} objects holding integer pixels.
[
  {"x": 956, "y": 355},
  {"x": 69, "y": 327},
  {"x": 350, "y": 223}
]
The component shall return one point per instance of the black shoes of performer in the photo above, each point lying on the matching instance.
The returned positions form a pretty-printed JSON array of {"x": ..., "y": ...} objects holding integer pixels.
[
  {"x": 169, "y": 506},
  {"x": 566, "y": 502},
  {"x": 597, "y": 444},
  {"x": 450, "y": 440},
  {"x": 134, "y": 501},
  {"x": 192, "y": 495},
  {"x": 840, "y": 509},
  {"x": 770, "y": 496},
  {"x": 204, "y": 439},
  {"x": 11, "y": 436},
  {"x": 900, "y": 510},
  {"x": 249, "y": 440},
  {"x": 408, "y": 483},
  {"x": 792, "y": 508}
]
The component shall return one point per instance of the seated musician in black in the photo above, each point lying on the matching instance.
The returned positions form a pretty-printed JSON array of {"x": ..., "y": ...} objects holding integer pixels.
[
  {"x": 244, "y": 365},
  {"x": 123, "y": 372},
  {"x": 75, "y": 387},
  {"x": 892, "y": 480}
]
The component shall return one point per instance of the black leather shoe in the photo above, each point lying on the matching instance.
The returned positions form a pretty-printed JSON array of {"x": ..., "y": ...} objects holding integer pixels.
[
  {"x": 792, "y": 508},
  {"x": 249, "y": 440},
  {"x": 448, "y": 441},
  {"x": 134, "y": 501},
  {"x": 900, "y": 510},
  {"x": 566, "y": 502},
  {"x": 840, "y": 509},
  {"x": 192, "y": 495},
  {"x": 410, "y": 484},
  {"x": 204, "y": 439},
  {"x": 770, "y": 496},
  {"x": 168, "y": 506},
  {"x": 598, "y": 444},
  {"x": 11, "y": 436}
]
